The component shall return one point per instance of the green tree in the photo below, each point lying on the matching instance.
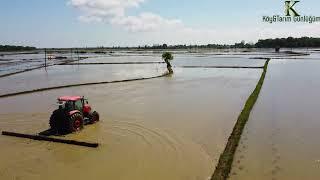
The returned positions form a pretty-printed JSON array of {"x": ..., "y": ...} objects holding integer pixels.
[
  {"x": 164, "y": 46},
  {"x": 167, "y": 57}
]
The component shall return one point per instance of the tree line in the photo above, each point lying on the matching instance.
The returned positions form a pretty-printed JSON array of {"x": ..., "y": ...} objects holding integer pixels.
[
  {"x": 7, "y": 48},
  {"x": 289, "y": 42}
]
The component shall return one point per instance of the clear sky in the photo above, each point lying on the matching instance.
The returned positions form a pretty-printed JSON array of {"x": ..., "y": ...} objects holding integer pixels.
[{"x": 80, "y": 23}]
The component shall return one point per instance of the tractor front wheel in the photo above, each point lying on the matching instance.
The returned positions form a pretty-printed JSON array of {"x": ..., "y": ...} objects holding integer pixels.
[{"x": 75, "y": 122}]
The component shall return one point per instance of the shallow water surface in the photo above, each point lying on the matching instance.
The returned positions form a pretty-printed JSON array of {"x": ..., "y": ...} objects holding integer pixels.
[
  {"x": 182, "y": 60},
  {"x": 167, "y": 128},
  {"x": 281, "y": 139},
  {"x": 124, "y": 59},
  {"x": 73, "y": 74},
  {"x": 12, "y": 62}
]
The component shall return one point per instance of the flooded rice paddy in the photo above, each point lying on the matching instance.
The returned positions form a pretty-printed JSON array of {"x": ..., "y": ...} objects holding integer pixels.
[
  {"x": 73, "y": 74},
  {"x": 280, "y": 140},
  {"x": 13, "y": 62},
  {"x": 173, "y": 127},
  {"x": 166, "y": 128}
]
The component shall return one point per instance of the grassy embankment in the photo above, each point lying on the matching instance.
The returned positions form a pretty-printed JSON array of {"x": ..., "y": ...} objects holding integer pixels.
[{"x": 225, "y": 162}]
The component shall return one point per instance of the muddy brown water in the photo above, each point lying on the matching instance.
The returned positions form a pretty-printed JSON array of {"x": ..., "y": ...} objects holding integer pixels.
[
  {"x": 281, "y": 139},
  {"x": 76, "y": 74},
  {"x": 183, "y": 60},
  {"x": 17, "y": 61},
  {"x": 168, "y": 128},
  {"x": 122, "y": 59},
  {"x": 73, "y": 74}
]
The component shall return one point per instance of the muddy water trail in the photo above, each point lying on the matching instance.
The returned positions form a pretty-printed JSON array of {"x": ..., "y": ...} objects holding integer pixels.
[
  {"x": 280, "y": 140},
  {"x": 168, "y": 128}
]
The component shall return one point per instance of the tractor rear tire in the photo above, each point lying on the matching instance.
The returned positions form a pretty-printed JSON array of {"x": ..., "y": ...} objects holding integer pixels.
[
  {"x": 76, "y": 122},
  {"x": 56, "y": 121},
  {"x": 95, "y": 117}
]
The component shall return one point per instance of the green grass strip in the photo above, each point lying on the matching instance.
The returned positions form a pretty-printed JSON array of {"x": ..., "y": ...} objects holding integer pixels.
[{"x": 226, "y": 158}]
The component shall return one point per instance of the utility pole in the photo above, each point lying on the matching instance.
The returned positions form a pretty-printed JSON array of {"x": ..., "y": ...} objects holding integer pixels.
[
  {"x": 45, "y": 57},
  {"x": 71, "y": 54},
  {"x": 78, "y": 54}
]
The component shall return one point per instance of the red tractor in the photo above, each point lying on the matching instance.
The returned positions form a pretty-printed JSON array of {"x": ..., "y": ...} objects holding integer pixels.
[{"x": 74, "y": 112}]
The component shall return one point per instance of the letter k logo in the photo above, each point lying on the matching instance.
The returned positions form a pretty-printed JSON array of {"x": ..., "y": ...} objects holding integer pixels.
[{"x": 289, "y": 8}]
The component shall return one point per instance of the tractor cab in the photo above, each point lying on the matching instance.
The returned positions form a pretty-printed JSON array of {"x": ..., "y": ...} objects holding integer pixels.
[
  {"x": 72, "y": 103},
  {"x": 73, "y": 113}
]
